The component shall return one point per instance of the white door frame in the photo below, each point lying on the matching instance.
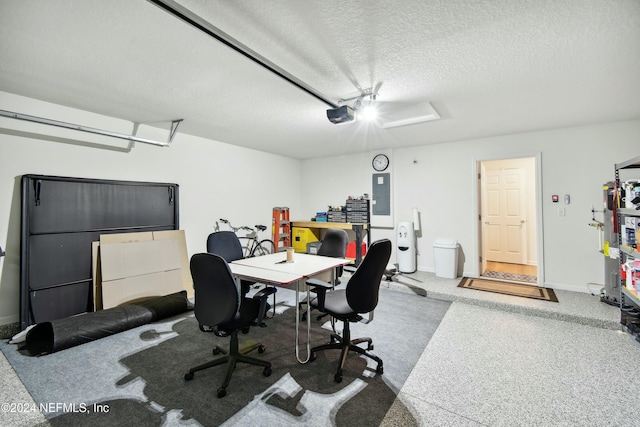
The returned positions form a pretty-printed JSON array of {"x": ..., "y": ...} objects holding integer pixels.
[{"x": 477, "y": 230}]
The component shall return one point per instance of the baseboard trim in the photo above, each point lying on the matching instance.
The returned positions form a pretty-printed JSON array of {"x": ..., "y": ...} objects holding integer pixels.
[
  {"x": 564, "y": 287},
  {"x": 5, "y": 320}
]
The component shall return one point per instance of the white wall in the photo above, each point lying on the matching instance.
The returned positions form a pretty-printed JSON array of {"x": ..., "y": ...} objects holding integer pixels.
[
  {"x": 438, "y": 180},
  {"x": 220, "y": 180},
  {"x": 216, "y": 179}
]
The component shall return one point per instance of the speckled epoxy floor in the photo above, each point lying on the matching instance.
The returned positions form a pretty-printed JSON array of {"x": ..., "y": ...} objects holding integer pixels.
[
  {"x": 497, "y": 360},
  {"x": 576, "y": 307}
]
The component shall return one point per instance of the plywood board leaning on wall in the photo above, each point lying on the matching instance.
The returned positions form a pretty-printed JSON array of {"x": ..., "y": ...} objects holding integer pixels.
[
  {"x": 179, "y": 237},
  {"x": 140, "y": 265}
]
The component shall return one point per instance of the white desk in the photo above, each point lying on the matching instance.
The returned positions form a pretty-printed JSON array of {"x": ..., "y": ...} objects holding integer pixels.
[
  {"x": 274, "y": 269},
  {"x": 303, "y": 264},
  {"x": 263, "y": 275}
]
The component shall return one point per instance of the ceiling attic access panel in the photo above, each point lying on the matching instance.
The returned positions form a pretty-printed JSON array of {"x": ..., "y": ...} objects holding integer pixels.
[{"x": 61, "y": 217}]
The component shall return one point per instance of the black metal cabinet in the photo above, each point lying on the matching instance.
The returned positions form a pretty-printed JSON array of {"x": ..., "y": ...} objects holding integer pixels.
[{"x": 61, "y": 217}]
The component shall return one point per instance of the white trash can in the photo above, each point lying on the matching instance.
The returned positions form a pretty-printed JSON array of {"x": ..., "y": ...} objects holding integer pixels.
[{"x": 445, "y": 255}]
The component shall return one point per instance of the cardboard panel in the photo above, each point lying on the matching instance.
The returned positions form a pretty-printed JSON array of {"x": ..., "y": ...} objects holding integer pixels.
[
  {"x": 123, "y": 260},
  {"x": 179, "y": 236},
  {"x": 122, "y": 291}
]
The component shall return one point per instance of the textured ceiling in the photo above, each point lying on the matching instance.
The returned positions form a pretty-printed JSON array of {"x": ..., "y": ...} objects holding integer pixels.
[{"x": 489, "y": 67}]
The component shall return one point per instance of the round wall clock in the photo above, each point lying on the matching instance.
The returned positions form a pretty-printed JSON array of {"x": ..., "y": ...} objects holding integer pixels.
[{"x": 380, "y": 162}]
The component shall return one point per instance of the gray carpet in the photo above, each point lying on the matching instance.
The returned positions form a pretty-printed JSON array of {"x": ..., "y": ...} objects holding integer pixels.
[{"x": 137, "y": 375}]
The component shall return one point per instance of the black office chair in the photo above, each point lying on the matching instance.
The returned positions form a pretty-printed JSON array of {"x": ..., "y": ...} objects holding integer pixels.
[
  {"x": 334, "y": 244},
  {"x": 220, "y": 308},
  {"x": 227, "y": 245},
  {"x": 360, "y": 296}
]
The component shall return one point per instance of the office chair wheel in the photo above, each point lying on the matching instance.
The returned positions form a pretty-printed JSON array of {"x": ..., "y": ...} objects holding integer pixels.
[
  {"x": 188, "y": 376},
  {"x": 266, "y": 371},
  {"x": 380, "y": 369},
  {"x": 216, "y": 351},
  {"x": 261, "y": 349},
  {"x": 312, "y": 357},
  {"x": 222, "y": 392},
  {"x": 338, "y": 376}
]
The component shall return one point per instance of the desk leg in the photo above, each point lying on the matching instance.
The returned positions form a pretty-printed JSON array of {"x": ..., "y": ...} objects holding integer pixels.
[
  {"x": 334, "y": 281},
  {"x": 298, "y": 323},
  {"x": 358, "y": 230}
]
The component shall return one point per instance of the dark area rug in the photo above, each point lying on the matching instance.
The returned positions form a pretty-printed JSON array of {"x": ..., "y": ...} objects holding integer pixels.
[{"x": 137, "y": 377}]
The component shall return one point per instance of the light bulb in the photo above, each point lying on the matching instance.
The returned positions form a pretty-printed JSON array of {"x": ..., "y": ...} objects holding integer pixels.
[{"x": 369, "y": 112}]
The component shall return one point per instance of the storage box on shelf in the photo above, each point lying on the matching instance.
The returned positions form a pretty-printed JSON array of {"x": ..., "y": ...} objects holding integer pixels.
[
  {"x": 358, "y": 210},
  {"x": 628, "y": 223},
  {"x": 337, "y": 214},
  {"x": 321, "y": 216}
]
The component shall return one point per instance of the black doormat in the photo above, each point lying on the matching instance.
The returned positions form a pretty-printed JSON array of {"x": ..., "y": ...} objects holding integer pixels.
[
  {"x": 137, "y": 377},
  {"x": 507, "y": 288}
]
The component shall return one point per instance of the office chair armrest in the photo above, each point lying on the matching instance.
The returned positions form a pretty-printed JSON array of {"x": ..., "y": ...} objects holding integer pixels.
[
  {"x": 365, "y": 321},
  {"x": 350, "y": 268},
  {"x": 262, "y": 296},
  {"x": 263, "y": 293},
  {"x": 317, "y": 282},
  {"x": 320, "y": 287}
]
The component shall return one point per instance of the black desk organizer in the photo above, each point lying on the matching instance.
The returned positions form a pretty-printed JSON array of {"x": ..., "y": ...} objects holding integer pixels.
[{"x": 61, "y": 217}]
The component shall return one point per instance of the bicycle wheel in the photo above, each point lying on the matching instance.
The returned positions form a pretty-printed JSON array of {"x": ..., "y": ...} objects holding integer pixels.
[{"x": 265, "y": 247}]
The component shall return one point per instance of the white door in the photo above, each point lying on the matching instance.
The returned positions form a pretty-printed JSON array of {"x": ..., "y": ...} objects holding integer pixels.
[{"x": 504, "y": 215}]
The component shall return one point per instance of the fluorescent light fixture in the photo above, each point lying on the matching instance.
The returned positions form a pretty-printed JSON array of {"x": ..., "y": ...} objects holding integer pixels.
[{"x": 417, "y": 113}]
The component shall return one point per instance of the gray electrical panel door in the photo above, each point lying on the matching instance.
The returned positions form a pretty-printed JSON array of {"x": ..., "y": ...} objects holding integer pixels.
[{"x": 381, "y": 188}]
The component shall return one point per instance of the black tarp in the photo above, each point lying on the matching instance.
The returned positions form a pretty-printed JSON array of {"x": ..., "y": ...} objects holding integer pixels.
[{"x": 56, "y": 335}]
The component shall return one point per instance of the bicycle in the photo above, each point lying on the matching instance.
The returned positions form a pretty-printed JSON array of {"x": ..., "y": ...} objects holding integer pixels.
[{"x": 253, "y": 246}]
